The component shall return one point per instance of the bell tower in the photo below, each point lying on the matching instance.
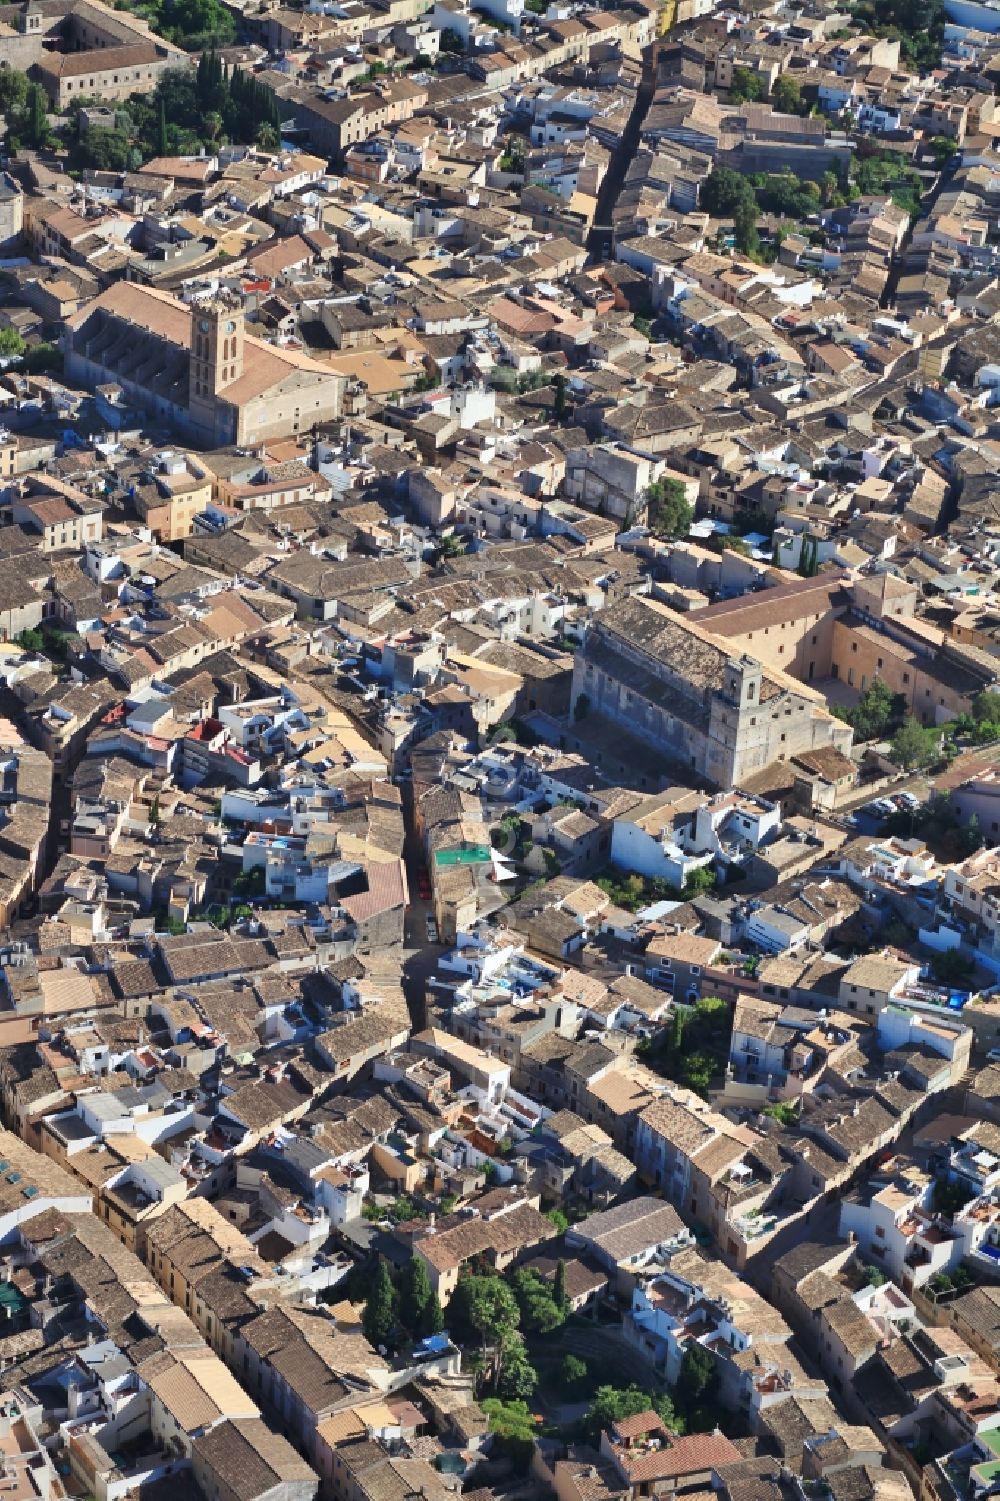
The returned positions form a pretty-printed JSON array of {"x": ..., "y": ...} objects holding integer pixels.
[{"x": 217, "y": 336}]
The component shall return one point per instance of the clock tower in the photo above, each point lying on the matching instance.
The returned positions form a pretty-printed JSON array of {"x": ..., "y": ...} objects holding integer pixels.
[{"x": 217, "y": 336}]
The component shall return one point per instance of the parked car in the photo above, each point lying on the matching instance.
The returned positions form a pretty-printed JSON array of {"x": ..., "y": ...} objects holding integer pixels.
[
  {"x": 432, "y": 932},
  {"x": 993, "y": 1056}
]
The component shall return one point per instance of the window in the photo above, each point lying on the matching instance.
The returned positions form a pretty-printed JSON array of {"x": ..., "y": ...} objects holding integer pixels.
[{"x": 906, "y": 677}]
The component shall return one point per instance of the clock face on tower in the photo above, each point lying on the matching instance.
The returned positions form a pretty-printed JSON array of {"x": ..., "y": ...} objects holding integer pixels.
[{"x": 203, "y": 325}]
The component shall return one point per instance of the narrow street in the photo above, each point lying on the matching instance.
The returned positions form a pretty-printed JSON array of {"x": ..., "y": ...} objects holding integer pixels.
[
  {"x": 419, "y": 957},
  {"x": 600, "y": 241}
]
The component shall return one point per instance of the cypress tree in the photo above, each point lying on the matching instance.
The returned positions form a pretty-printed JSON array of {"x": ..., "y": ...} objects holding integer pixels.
[
  {"x": 377, "y": 1320},
  {"x": 415, "y": 1297},
  {"x": 559, "y": 1287},
  {"x": 433, "y": 1320},
  {"x": 162, "y": 144}
]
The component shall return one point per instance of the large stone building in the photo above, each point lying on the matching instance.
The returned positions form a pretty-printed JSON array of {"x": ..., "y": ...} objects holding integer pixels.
[
  {"x": 81, "y": 48},
  {"x": 856, "y": 629},
  {"x": 196, "y": 368},
  {"x": 693, "y": 698}
]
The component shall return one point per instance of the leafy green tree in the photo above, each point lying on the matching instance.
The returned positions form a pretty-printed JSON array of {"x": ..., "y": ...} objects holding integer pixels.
[
  {"x": 912, "y": 746},
  {"x": 513, "y": 1429},
  {"x": 378, "y": 1319},
  {"x": 539, "y": 1311},
  {"x": 986, "y": 707},
  {"x": 873, "y": 1277},
  {"x": 610, "y": 1404},
  {"x": 698, "y": 882},
  {"x": 102, "y": 150},
  {"x": 571, "y": 1375},
  {"x": 486, "y": 1306},
  {"x": 11, "y": 342},
  {"x": 558, "y": 1219},
  {"x": 746, "y": 85},
  {"x": 517, "y": 1377},
  {"x": 786, "y": 96},
  {"x": 32, "y": 124},
  {"x": 877, "y": 711},
  {"x": 722, "y": 190},
  {"x": 511, "y": 1419},
  {"x": 667, "y": 509},
  {"x": 415, "y": 1296},
  {"x": 951, "y": 967},
  {"x": 13, "y": 90},
  {"x": 451, "y": 42},
  {"x": 699, "y": 1375}
]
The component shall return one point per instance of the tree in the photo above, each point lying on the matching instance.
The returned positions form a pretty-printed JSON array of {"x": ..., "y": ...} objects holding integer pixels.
[
  {"x": 873, "y": 1277},
  {"x": 510, "y": 1419},
  {"x": 559, "y": 404},
  {"x": 699, "y": 1377},
  {"x": 378, "y": 1320},
  {"x": 950, "y": 1197},
  {"x": 513, "y": 1429},
  {"x": 745, "y": 227},
  {"x": 786, "y": 96},
  {"x": 13, "y": 90},
  {"x": 952, "y": 967},
  {"x": 11, "y": 342},
  {"x": 450, "y": 546},
  {"x": 722, "y": 190},
  {"x": 913, "y": 746},
  {"x": 415, "y": 1296},
  {"x": 877, "y": 711},
  {"x": 517, "y": 1377},
  {"x": 486, "y": 1306},
  {"x": 102, "y": 150},
  {"x": 162, "y": 142},
  {"x": 571, "y": 1374},
  {"x": 986, "y": 708},
  {"x": 809, "y": 558},
  {"x": 610, "y": 1404},
  {"x": 32, "y": 125},
  {"x": 667, "y": 509},
  {"x": 268, "y": 136},
  {"x": 559, "y": 1293},
  {"x": 433, "y": 1319},
  {"x": 559, "y": 1220},
  {"x": 451, "y": 42},
  {"x": 746, "y": 85},
  {"x": 699, "y": 881},
  {"x": 539, "y": 1311}
]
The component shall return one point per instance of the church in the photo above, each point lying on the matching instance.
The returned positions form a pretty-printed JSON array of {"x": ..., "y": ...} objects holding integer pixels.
[
  {"x": 196, "y": 369},
  {"x": 716, "y": 711}
]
